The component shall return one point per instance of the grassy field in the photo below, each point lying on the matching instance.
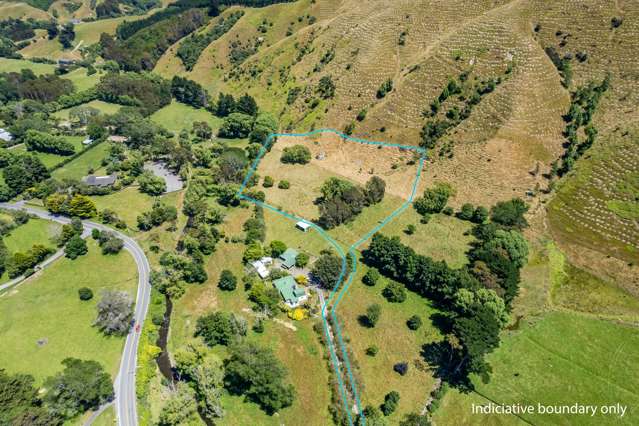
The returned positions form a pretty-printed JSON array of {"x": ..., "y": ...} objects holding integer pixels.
[
  {"x": 78, "y": 168},
  {"x": 562, "y": 359},
  {"x": 129, "y": 202},
  {"x": 396, "y": 343},
  {"x": 36, "y": 231},
  {"x": 103, "y": 107},
  {"x": 10, "y": 9},
  {"x": 442, "y": 238},
  {"x": 177, "y": 116},
  {"x": 81, "y": 80},
  {"x": 47, "y": 308},
  {"x": 15, "y": 65}
]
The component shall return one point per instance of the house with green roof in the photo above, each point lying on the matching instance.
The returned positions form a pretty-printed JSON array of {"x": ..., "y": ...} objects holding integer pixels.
[
  {"x": 290, "y": 291},
  {"x": 288, "y": 258}
]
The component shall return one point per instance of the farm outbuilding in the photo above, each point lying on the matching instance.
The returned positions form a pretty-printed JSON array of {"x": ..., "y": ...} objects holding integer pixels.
[{"x": 303, "y": 226}]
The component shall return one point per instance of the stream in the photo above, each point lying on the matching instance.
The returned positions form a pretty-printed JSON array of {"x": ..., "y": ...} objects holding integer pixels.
[{"x": 164, "y": 361}]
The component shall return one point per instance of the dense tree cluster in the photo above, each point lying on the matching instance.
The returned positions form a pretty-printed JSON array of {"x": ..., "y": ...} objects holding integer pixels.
[
  {"x": 221, "y": 328},
  {"x": 19, "y": 263},
  {"x": 434, "y": 199},
  {"x": 158, "y": 214},
  {"x": 148, "y": 92},
  {"x": 255, "y": 372},
  {"x": 327, "y": 269},
  {"x": 26, "y": 85},
  {"x": 142, "y": 50},
  {"x": 21, "y": 172},
  {"x": 151, "y": 184},
  {"x": 77, "y": 205},
  {"x": 45, "y": 142},
  {"x": 189, "y": 92},
  {"x": 108, "y": 241},
  {"x": 584, "y": 102},
  {"x": 341, "y": 200}
]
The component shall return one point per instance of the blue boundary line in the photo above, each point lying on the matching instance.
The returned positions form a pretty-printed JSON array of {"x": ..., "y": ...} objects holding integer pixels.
[{"x": 332, "y": 242}]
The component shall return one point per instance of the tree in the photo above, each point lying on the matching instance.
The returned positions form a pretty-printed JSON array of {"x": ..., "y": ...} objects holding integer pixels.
[
  {"x": 67, "y": 35},
  {"x": 394, "y": 292},
  {"x": 225, "y": 105},
  {"x": 115, "y": 313},
  {"x": 236, "y": 125},
  {"x": 265, "y": 125},
  {"x": 434, "y": 199},
  {"x": 256, "y": 373},
  {"x": 85, "y": 293},
  {"x": 391, "y": 400},
  {"x": 327, "y": 269},
  {"x": 202, "y": 130},
  {"x": 326, "y": 87},
  {"x": 479, "y": 215},
  {"x": 268, "y": 182},
  {"x": 401, "y": 368},
  {"x": 414, "y": 322},
  {"x": 385, "y": 87},
  {"x": 180, "y": 407},
  {"x": 81, "y": 386},
  {"x": 373, "y": 313},
  {"x": 301, "y": 260},
  {"x": 410, "y": 229},
  {"x": 151, "y": 184},
  {"x": 296, "y": 154},
  {"x": 466, "y": 212},
  {"x": 413, "y": 419},
  {"x": 510, "y": 214},
  {"x": 374, "y": 190},
  {"x": 75, "y": 247},
  {"x": 371, "y": 277},
  {"x": 23, "y": 172},
  {"x": 20, "y": 400},
  {"x": 228, "y": 281},
  {"x": 371, "y": 416},
  {"x": 109, "y": 243},
  {"x": 253, "y": 252},
  {"x": 220, "y": 328},
  {"x": 82, "y": 206},
  {"x": 246, "y": 105},
  {"x": 277, "y": 248}
]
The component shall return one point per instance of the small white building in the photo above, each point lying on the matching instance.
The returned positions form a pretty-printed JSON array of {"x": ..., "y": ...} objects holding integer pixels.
[
  {"x": 5, "y": 136},
  {"x": 260, "y": 266},
  {"x": 303, "y": 226},
  {"x": 87, "y": 141}
]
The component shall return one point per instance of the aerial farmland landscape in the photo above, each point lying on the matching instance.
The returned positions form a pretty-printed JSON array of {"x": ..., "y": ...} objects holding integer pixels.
[{"x": 319, "y": 212}]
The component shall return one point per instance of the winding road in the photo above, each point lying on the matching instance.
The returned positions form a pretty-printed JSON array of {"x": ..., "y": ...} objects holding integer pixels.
[{"x": 125, "y": 397}]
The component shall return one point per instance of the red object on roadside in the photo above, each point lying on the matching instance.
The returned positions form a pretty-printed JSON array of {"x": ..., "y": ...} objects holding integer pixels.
[{"x": 137, "y": 328}]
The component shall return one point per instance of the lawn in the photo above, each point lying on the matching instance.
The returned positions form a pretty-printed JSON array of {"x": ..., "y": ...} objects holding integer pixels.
[
  {"x": 103, "y": 107},
  {"x": 81, "y": 80},
  {"x": 52, "y": 160},
  {"x": 36, "y": 231},
  {"x": 107, "y": 418},
  {"x": 562, "y": 359},
  {"x": 282, "y": 228},
  {"x": 177, "y": 116},
  {"x": 47, "y": 308},
  {"x": 79, "y": 167},
  {"x": 396, "y": 343}
]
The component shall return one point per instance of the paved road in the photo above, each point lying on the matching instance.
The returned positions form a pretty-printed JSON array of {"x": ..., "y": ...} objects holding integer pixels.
[{"x": 125, "y": 398}]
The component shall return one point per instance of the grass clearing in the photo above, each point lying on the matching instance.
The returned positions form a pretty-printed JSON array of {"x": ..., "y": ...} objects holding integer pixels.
[
  {"x": 79, "y": 167},
  {"x": 103, "y": 107},
  {"x": 396, "y": 343},
  {"x": 47, "y": 307},
  {"x": 52, "y": 160},
  {"x": 107, "y": 418},
  {"x": 16, "y": 65},
  {"x": 36, "y": 231},
  {"x": 442, "y": 238},
  {"x": 562, "y": 359},
  {"x": 178, "y": 116},
  {"x": 81, "y": 80}
]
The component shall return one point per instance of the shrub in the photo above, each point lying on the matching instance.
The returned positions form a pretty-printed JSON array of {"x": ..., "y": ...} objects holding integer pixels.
[
  {"x": 301, "y": 260},
  {"x": 390, "y": 403},
  {"x": 410, "y": 229},
  {"x": 85, "y": 293},
  {"x": 268, "y": 182},
  {"x": 414, "y": 322},
  {"x": 371, "y": 277},
  {"x": 284, "y": 184},
  {"x": 297, "y": 154},
  {"x": 385, "y": 87},
  {"x": 228, "y": 281},
  {"x": 75, "y": 247},
  {"x": 394, "y": 292},
  {"x": 373, "y": 313},
  {"x": 372, "y": 350}
]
